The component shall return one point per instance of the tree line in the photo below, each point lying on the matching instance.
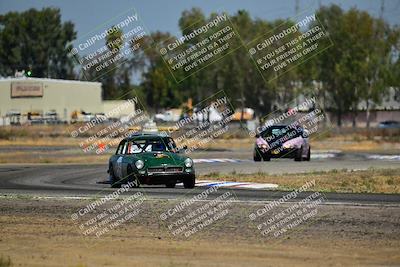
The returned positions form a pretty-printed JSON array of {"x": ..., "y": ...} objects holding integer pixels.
[{"x": 360, "y": 66}]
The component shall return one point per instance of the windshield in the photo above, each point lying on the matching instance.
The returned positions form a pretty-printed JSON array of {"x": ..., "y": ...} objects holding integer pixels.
[
  {"x": 283, "y": 133},
  {"x": 140, "y": 146}
]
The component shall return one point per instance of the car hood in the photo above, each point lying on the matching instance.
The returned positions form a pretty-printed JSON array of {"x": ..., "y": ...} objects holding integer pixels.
[
  {"x": 295, "y": 142},
  {"x": 158, "y": 158}
]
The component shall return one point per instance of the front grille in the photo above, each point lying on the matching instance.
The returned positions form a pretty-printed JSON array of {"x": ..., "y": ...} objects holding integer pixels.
[
  {"x": 155, "y": 169},
  {"x": 164, "y": 169}
]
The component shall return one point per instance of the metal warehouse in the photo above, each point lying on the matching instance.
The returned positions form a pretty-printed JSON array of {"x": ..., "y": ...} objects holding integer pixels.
[{"x": 38, "y": 99}]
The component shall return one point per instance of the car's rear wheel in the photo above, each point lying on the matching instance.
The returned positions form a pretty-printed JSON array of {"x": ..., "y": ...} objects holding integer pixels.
[
  {"x": 170, "y": 185},
  {"x": 189, "y": 182},
  {"x": 299, "y": 154},
  {"x": 308, "y": 158},
  {"x": 115, "y": 183}
]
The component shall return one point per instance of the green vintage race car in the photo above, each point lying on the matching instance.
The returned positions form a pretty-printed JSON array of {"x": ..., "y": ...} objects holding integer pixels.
[{"x": 150, "y": 159}]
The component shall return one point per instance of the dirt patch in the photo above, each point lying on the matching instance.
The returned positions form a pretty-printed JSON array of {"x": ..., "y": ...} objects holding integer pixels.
[{"x": 41, "y": 233}]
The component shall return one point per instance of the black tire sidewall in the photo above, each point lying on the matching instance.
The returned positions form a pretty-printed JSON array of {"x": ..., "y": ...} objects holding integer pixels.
[
  {"x": 132, "y": 175},
  {"x": 113, "y": 181},
  {"x": 256, "y": 156},
  {"x": 299, "y": 155},
  {"x": 189, "y": 182}
]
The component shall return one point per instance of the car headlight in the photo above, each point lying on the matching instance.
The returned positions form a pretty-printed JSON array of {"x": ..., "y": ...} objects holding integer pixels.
[
  {"x": 263, "y": 146},
  {"x": 288, "y": 146},
  {"x": 139, "y": 164},
  {"x": 188, "y": 163}
]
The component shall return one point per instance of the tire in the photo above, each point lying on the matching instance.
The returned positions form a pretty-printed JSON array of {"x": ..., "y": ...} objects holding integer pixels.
[
  {"x": 170, "y": 185},
  {"x": 308, "y": 158},
  {"x": 299, "y": 156},
  {"x": 132, "y": 177},
  {"x": 113, "y": 180},
  {"x": 189, "y": 182},
  {"x": 256, "y": 156},
  {"x": 266, "y": 158}
]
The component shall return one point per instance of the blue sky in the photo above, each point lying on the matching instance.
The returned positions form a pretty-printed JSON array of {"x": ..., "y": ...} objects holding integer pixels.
[{"x": 164, "y": 15}]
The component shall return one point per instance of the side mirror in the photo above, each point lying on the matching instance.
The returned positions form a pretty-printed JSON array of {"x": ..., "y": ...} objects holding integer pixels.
[
  {"x": 305, "y": 134},
  {"x": 185, "y": 147},
  {"x": 257, "y": 135}
]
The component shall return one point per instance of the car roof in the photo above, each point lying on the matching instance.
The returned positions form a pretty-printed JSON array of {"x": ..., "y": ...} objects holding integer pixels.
[
  {"x": 276, "y": 126},
  {"x": 146, "y": 136},
  {"x": 280, "y": 126}
]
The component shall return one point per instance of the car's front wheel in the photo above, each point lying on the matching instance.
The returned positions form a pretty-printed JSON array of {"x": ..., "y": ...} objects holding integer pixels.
[
  {"x": 115, "y": 183},
  {"x": 308, "y": 155},
  {"x": 189, "y": 182},
  {"x": 132, "y": 177},
  {"x": 256, "y": 156}
]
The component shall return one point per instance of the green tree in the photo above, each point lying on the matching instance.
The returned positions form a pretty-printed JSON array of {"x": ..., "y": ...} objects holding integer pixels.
[
  {"x": 114, "y": 40},
  {"x": 381, "y": 46},
  {"x": 116, "y": 76},
  {"x": 159, "y": 87},
  {"x": 36, "y": 40},
  {"x": 327, "y": 63},
  {"x": 356, "y": 67}
]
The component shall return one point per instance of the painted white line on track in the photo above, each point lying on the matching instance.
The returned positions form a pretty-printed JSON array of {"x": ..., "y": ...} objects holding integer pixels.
[
  {"x": 384, "y": 157},
  {"x": 239, "y": 185},
  {"x": 219, "y": 160},
  {"x": 323, "y": 155},
  {"x": 223, "y": 160},
  {"x": 250, "y": 202},
  {"x": 319, "y": 155}
]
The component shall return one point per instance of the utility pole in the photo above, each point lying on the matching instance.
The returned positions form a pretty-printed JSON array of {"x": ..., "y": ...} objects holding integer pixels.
[
  {"x": 296, "y": 8},
  {"x": 382, "y": 9}
]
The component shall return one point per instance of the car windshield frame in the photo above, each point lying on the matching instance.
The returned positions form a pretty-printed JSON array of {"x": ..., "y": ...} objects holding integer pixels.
[
  {"x": 269, "y": 133},
  {"x": 142, "y": 146}
]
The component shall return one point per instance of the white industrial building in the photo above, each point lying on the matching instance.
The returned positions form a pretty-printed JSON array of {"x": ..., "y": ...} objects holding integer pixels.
[{"x": 22, "y": 98}]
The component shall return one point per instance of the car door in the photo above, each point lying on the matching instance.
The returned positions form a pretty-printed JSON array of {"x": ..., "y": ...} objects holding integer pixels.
[
  {"x": 127, "y": 157},
  {"x": 116, "y": 160},
  {"x": 124, "y": 160}
]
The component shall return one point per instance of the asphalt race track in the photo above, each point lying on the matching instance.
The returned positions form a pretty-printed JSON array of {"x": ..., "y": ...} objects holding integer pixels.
[{"x": 72, "y": 180}]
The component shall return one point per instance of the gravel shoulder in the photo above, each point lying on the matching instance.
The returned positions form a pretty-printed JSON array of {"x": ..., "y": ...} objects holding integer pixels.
[{"x": 40, "y": 232}]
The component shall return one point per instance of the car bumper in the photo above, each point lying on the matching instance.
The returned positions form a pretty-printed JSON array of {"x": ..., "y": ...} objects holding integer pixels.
[
  {"x": 162, "y": 177},
  {"x": 278, "y": 153},
  {"x": 165, "y": 178}
]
